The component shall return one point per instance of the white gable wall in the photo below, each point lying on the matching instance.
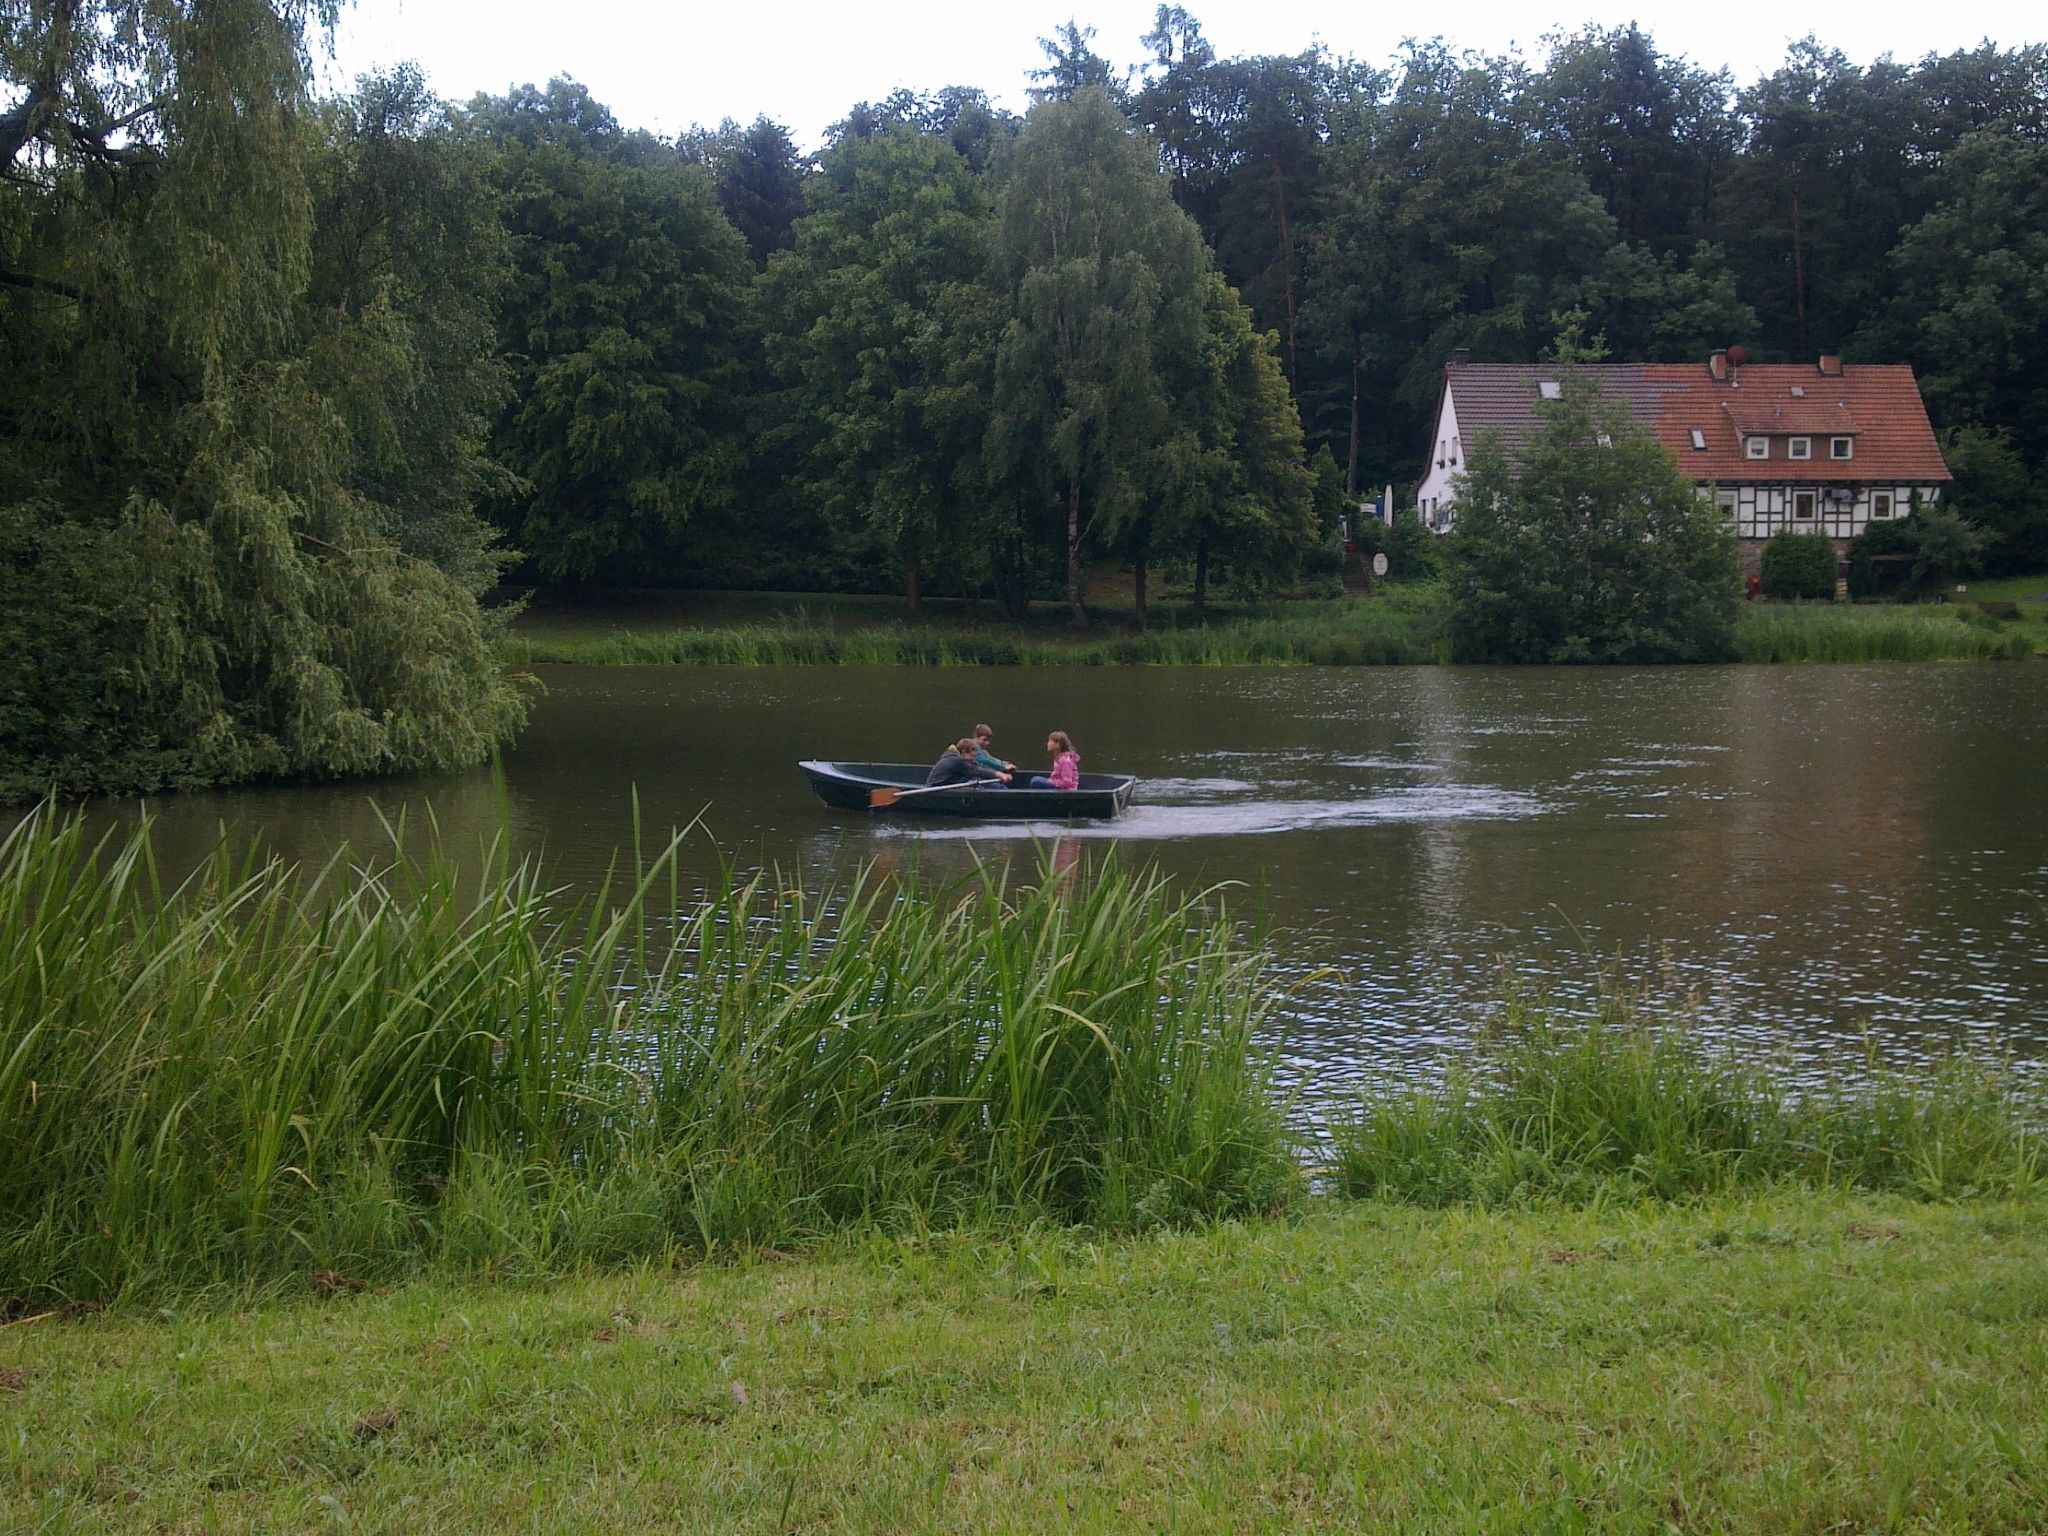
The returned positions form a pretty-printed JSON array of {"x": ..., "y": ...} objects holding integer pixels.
[{"x": 1435, "y": 493}]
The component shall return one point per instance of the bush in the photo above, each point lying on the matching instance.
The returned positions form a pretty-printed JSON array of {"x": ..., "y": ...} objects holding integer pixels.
[
  {"x": 1799, "y": 565},
  {"x": 1927, "y": 552},
  {"x": 1588, "y": 545}
]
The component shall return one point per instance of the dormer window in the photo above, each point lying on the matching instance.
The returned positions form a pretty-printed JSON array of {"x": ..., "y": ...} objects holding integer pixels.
[
  {"x": 1800, "y": 448},
  {"x": 1758, "y": 447},
  {"x": 1699, "y": 441},
  {"x": 1841, "y": 447}
]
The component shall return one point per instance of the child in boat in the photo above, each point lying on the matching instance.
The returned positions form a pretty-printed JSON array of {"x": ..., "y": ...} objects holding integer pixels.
[
  {"x": 956, "y": 765},
  {"x": 1066, "y": 764},
  {"x": 983, "y": 739}
]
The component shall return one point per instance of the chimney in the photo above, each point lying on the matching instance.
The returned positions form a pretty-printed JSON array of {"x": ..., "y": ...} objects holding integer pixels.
[
  {"x": 1461, "y": 354},
  {"x": 1717, "y": 363},
  {"x": 1831, "y": 364}
]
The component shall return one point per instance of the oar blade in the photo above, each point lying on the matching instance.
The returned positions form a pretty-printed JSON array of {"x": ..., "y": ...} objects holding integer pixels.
[{"x": 882, "y": 799}]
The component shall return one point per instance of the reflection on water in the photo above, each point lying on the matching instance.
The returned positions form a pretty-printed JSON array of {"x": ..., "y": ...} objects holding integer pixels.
[{"x": 1816, "y": 853}]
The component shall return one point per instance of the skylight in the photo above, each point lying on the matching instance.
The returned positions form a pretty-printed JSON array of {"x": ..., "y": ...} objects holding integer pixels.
[
  {"x": 1798, "y": 391},
  {"x": 1550, "y": 388},
  {"x": 1699, "y": 440}
]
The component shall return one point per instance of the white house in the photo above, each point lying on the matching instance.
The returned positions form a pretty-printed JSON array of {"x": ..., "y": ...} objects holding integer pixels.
[{"x": 1825, "y": 447}]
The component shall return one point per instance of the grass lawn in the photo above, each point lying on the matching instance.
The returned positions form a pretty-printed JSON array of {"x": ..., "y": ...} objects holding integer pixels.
[
  {"x": 2030, "y": 592},
  {"x": 1778, "y": 1363}
]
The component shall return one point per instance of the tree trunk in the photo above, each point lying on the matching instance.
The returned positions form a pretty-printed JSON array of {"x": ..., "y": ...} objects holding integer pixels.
[
  {"x": 1202, "y": 582},
  {"x": 1351, "y": 461},
  {"x": 913, "y": 585},
  {"x": 1798, "y": 278},
  {"x": 1287, "y": 260},
  {"x": 1074, "y": 555},
  {"x": 1138, "y": 572}
]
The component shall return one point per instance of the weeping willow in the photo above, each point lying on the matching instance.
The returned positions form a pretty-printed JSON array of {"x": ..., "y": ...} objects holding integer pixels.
[{"x": 243, "y": 398}]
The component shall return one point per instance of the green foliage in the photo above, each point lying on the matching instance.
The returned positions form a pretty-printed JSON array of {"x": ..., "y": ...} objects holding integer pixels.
[
  {"x": 1618, "y": 1106},
  {"x": 242, "y": 406},
  {"x": 886, "y": 347},
  {"x": 371, "y": 1065},
  {"x": 1390, "y": 631},
  {"x": 1797, "y": 565},
  {"x": 2001, "y": 496},
  {"x": 625, "y": 324},
  {"x": 1915, "y": 556},
  {"x": 1832, "y": 633},
  {"x": 1591, "y": 546}
]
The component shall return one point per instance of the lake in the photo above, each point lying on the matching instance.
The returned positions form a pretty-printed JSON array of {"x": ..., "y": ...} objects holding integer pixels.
[{"x": 1821, "y": 857}]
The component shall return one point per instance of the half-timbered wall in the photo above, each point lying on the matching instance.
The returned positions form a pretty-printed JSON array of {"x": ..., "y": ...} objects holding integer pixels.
[{"x": 1839, "y": 511}]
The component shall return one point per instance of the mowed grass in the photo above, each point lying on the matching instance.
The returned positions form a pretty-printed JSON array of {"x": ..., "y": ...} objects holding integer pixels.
[{"x": 1769, "y": 1364}]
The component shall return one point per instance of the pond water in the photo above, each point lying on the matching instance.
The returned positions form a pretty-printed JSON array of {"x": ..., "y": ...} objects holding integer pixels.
[{"x": 1822, "y": 856}]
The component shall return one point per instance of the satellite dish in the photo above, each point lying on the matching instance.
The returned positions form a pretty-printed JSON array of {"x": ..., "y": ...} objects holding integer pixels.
[{"x": 1379, "y": 563}]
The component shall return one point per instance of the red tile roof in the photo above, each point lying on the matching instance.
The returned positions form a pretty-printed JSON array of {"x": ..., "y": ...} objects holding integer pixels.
[{"x": 1877, "y": 404}]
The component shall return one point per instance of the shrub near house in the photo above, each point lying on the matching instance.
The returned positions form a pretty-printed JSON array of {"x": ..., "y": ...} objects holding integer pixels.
[{"x": 1798, "y": 565}]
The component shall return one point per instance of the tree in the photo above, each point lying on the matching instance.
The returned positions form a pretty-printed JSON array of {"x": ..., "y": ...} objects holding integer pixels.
[
  {"x": 896, "y": 219},
  {"x": 1104, "y": 278},
  {"x": 1590, "y": 546},
  {"x": 219, "y": 561},
  {"x": 625, "y": 324},
  {"x": 759, "y": 177}
]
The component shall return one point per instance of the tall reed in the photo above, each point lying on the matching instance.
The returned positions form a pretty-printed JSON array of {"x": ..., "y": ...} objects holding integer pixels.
[
  {"x": 1622, "y": 1104},
  {"x": 1398, "y": 631},
  {"x": 1926, "y": 632},
  {"x": 367, "y": 1067}
]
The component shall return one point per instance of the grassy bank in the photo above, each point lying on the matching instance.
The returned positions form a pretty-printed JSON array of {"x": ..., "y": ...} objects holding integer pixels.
[
  {"x": 1775, "y": 632},
  {"x": 1768, "y": 1364},
  {"x": 1627, "y": 1105},
  {"x": 369, "y": 1070},
  {"x": 360, "y": 1072},
  {"x": 1404, "y": 626}
]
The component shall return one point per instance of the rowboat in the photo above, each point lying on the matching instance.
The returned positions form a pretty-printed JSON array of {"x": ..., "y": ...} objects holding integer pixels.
[{"x": 852, "y": 786}]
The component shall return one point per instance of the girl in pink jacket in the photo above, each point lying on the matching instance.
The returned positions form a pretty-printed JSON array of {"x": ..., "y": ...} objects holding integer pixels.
[{"x": 1066, "y": 764}]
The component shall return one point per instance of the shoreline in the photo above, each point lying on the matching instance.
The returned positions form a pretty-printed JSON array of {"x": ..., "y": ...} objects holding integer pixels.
[{"x": 1406, "y": 627}]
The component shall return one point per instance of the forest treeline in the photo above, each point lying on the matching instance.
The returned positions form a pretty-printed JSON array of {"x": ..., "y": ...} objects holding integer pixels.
[{"x": 293, "y": 385}]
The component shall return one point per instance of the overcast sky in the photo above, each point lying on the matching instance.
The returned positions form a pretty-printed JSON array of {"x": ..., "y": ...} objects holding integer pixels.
[{"x": 803, "y": 63}]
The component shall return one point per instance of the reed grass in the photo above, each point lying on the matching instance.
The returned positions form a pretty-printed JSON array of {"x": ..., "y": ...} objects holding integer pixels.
[
  {"x": 1623, "y": 1104},
  {"x": 264, "y": 1073},
  {"x": 1403, "y": 629},
  {"x": 1836, "y": 633}
]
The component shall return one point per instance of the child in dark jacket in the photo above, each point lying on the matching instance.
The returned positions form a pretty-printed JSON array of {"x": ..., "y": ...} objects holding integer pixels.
[{"x": 956, "y": 765}]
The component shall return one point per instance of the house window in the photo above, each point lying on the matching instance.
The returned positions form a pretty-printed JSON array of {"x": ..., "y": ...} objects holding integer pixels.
[
  {"x": 1699, "y": 440},
  {"x": 1759, "y": 448},
  {"x": 1800, "y": 448},
  {"x": 1802, "y": 504},
  {"x": 1880, "y": 503},
  {"x": 1454, "y": 450},
  {"x": 1726, "y": 501},
  {"x": 1841, "y": 447}
]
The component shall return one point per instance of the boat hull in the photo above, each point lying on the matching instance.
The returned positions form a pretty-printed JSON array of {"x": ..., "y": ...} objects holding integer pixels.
[{"x": 845, "y": 786}]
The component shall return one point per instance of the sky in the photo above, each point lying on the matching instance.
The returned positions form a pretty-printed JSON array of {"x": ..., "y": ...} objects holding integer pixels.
[{"x": 664, "y": 66}]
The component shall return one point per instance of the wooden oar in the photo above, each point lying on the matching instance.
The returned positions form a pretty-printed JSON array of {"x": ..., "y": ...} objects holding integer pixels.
[{"x": 882, "y": 799}]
